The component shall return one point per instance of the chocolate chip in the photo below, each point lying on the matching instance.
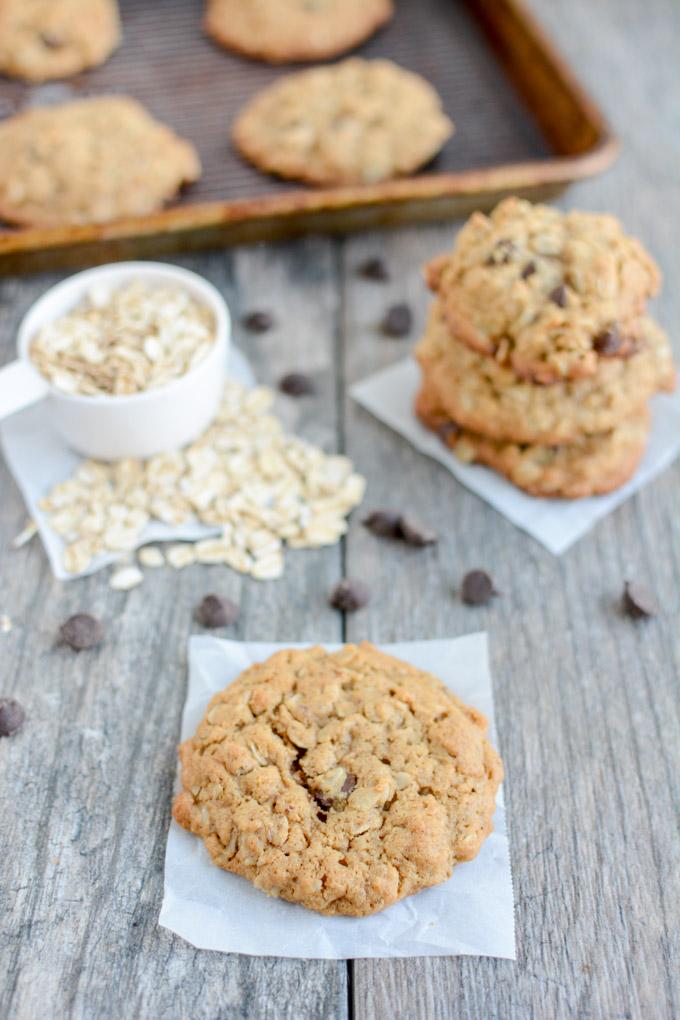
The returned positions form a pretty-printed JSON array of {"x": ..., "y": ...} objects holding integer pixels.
[
  {"x": 214, "y": 611},
  {"x": 608, "y": 342},
  {"x": 325, "y": 803},
  {"x": 349, "y": 783},
  {"x": 296, "y": 384},
  {"x": 477, "y": 588},
  {"x": 51, "y": 40},
  {"x": 350, "y": 595},
  {"x": 529, "y": 270},
  {"x": 383, "y": 523},
  {"x": 502, "y": 253},
  {"x": 257, "y": 322},
  {"x": 639, "y": 601},
  {"x": 12, "y": 716},
  {"x": 322, "y": 816},
  {"x": 82, "y": 631},
  {"x": 398, "y": 321},
  {"x": 374, "y": 269},
  {"x": 447, "y": 431},
  {"x": 559, "y": 296},
  {"x": 413, "y": 532}
]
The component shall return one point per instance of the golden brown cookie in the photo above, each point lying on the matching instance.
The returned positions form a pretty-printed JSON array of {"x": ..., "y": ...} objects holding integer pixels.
[
  {"x": 340, "y": 781},
  {"x": 357, "y": 122},
  {"x": 490, "y": 399},
  {"x": 589, "y": 466},
  {"x": 89, "y": 161},
  {"x": 43, "y": 39},
  {"x": 550, "y": 294},
  {"x": 286, "y": 31}
]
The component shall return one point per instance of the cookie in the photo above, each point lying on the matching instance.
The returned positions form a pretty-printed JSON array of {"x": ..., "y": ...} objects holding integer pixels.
[
  {"x": 589, "y": 466},
  {"x": 357, "y": 122},
  {"x": 550, "y": 294},
  {"x": 286, "y": 31},
  {"x": 490, "y": 399},
  {"x": 44, "y": 39},
  {"x": 341, "y": 781},
  {"x": 89, "y": 161}
]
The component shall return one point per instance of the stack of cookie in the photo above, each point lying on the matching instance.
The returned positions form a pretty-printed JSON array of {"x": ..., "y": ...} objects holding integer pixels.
[{"x": 538, "y": 359}]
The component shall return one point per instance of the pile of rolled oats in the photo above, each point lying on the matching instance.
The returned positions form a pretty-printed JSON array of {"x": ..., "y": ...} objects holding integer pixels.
[
  {"x": 261, "y": 488},
  {"x": 126, "y": 340}
]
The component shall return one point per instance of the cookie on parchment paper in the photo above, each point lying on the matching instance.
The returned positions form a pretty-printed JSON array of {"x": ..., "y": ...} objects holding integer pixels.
[
  {"x": 89, "y": 161},
  {"x": 342, "y": 781},
  {"x": 45, "y": 39},
  {"x": 287, "y": 31},
  {"x": 356, "y": 122}
]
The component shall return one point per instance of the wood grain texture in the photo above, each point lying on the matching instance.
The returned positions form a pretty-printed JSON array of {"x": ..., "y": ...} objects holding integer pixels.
[{"x": 588, "y": 703}]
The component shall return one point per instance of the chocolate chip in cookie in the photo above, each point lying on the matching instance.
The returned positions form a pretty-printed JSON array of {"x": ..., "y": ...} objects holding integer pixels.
[
  {"x": 12, "y": 716},
  {"x": 559, "y": 296},
  {"x": 82, "y": 631},
  {"x": 477, "y": 588},
  {"x": 350, "y": 595},
  {"x": 608, "y": 342}
]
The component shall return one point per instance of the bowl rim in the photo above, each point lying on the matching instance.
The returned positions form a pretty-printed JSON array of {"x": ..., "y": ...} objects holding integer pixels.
[{"x": 79, "y": 282}]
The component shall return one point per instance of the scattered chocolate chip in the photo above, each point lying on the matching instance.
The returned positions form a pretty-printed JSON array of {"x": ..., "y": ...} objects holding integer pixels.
[
  {"x": 214, "y": 611},
  {"x": 296, "y": 384},
  {"x": 608, "y": 342},
  {"x": 12, "y": 716},
  {"x": 447, "y": 431},
  {"x": 413, "y": 532},
  {"x": 257, "y": 322},
  {"x": 350, "y": 595},
  {"x": 477, "y": 588},
  {"x": 82, "y": 631},
  {"x": 559, "y": 296},
  {"x": 398, "y": 321},
  {"x": 374, "y": 269},
  {"x": 639, "y": 601},
  {"x": 502, "y": 253},
  {"x": 51, "y": 40},
  {"x": 349, "y": 783},
  {"x": 529, "y": 270},
  {"x": 383, "y": 523}
]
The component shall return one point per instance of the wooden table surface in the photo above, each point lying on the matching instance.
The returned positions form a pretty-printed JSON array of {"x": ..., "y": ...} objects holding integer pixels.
[{"x": 588, "y": 702}]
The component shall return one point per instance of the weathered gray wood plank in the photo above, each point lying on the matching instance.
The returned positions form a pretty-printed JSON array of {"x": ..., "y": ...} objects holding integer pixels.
[
  {"x": 588, "y": 703},
  {"x": 85, "y": 788}
]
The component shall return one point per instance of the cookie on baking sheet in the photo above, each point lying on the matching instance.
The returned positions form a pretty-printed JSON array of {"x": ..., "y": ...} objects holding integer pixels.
[
  {"x": 551, "y": 294},
  {"x": 486, "y": 397},
  {"x": 589, "y": 466},
  {"x": 341, "y": 781},
  {"x": 44, "y": 39},
  {"x": 89, "y": 161},
  {"x": 357, "y": 122},
  {"x": 285, "y": 31}
]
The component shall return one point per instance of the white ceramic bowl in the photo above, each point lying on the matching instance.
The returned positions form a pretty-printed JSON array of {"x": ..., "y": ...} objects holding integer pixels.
[{"x": 142, "y": 424}]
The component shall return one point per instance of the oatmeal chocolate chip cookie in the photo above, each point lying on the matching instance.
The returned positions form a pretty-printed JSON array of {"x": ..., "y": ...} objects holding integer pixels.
[
  {"x": 490, "y": 399},
  {"x": 588, "y": 466},
  {"x": 357, "y": 122},
  {"x": 341, "y": 781},
  {"x": 89, "y": 161},
  {"x": 44, "y": 39},
  {"x": 548, "y": 293},
  {"x": 286, "y": 31}
]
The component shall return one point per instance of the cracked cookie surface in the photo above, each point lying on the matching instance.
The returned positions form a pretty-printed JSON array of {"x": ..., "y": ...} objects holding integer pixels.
[
  {"x": 284, "y": 31},
  {"x": 588, "y": 466},
  {"x": 45, "y": 39},
  {"x": 550, "y": 294},
  {"x": 357, "y": 122},
  {"x": 89, "y": 161},
  {"x": 342, "y": 781},
  {"x": 490, "y": 399}
]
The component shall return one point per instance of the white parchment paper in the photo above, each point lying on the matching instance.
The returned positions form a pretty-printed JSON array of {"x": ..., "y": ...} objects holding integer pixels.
[
  {"x": 556, "y": 523},
  {"x": 39, "y": 459},
  {"x": 471, "y": 914}
]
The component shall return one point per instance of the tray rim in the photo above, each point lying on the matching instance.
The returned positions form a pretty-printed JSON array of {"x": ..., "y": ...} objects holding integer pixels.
[{"x": 296, "y": 211}]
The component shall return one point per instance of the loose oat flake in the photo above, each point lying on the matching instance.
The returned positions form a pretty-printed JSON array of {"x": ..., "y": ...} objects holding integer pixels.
[
  {"x": 244, "y": 476},
  {"x": 126, "y": 340}
]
